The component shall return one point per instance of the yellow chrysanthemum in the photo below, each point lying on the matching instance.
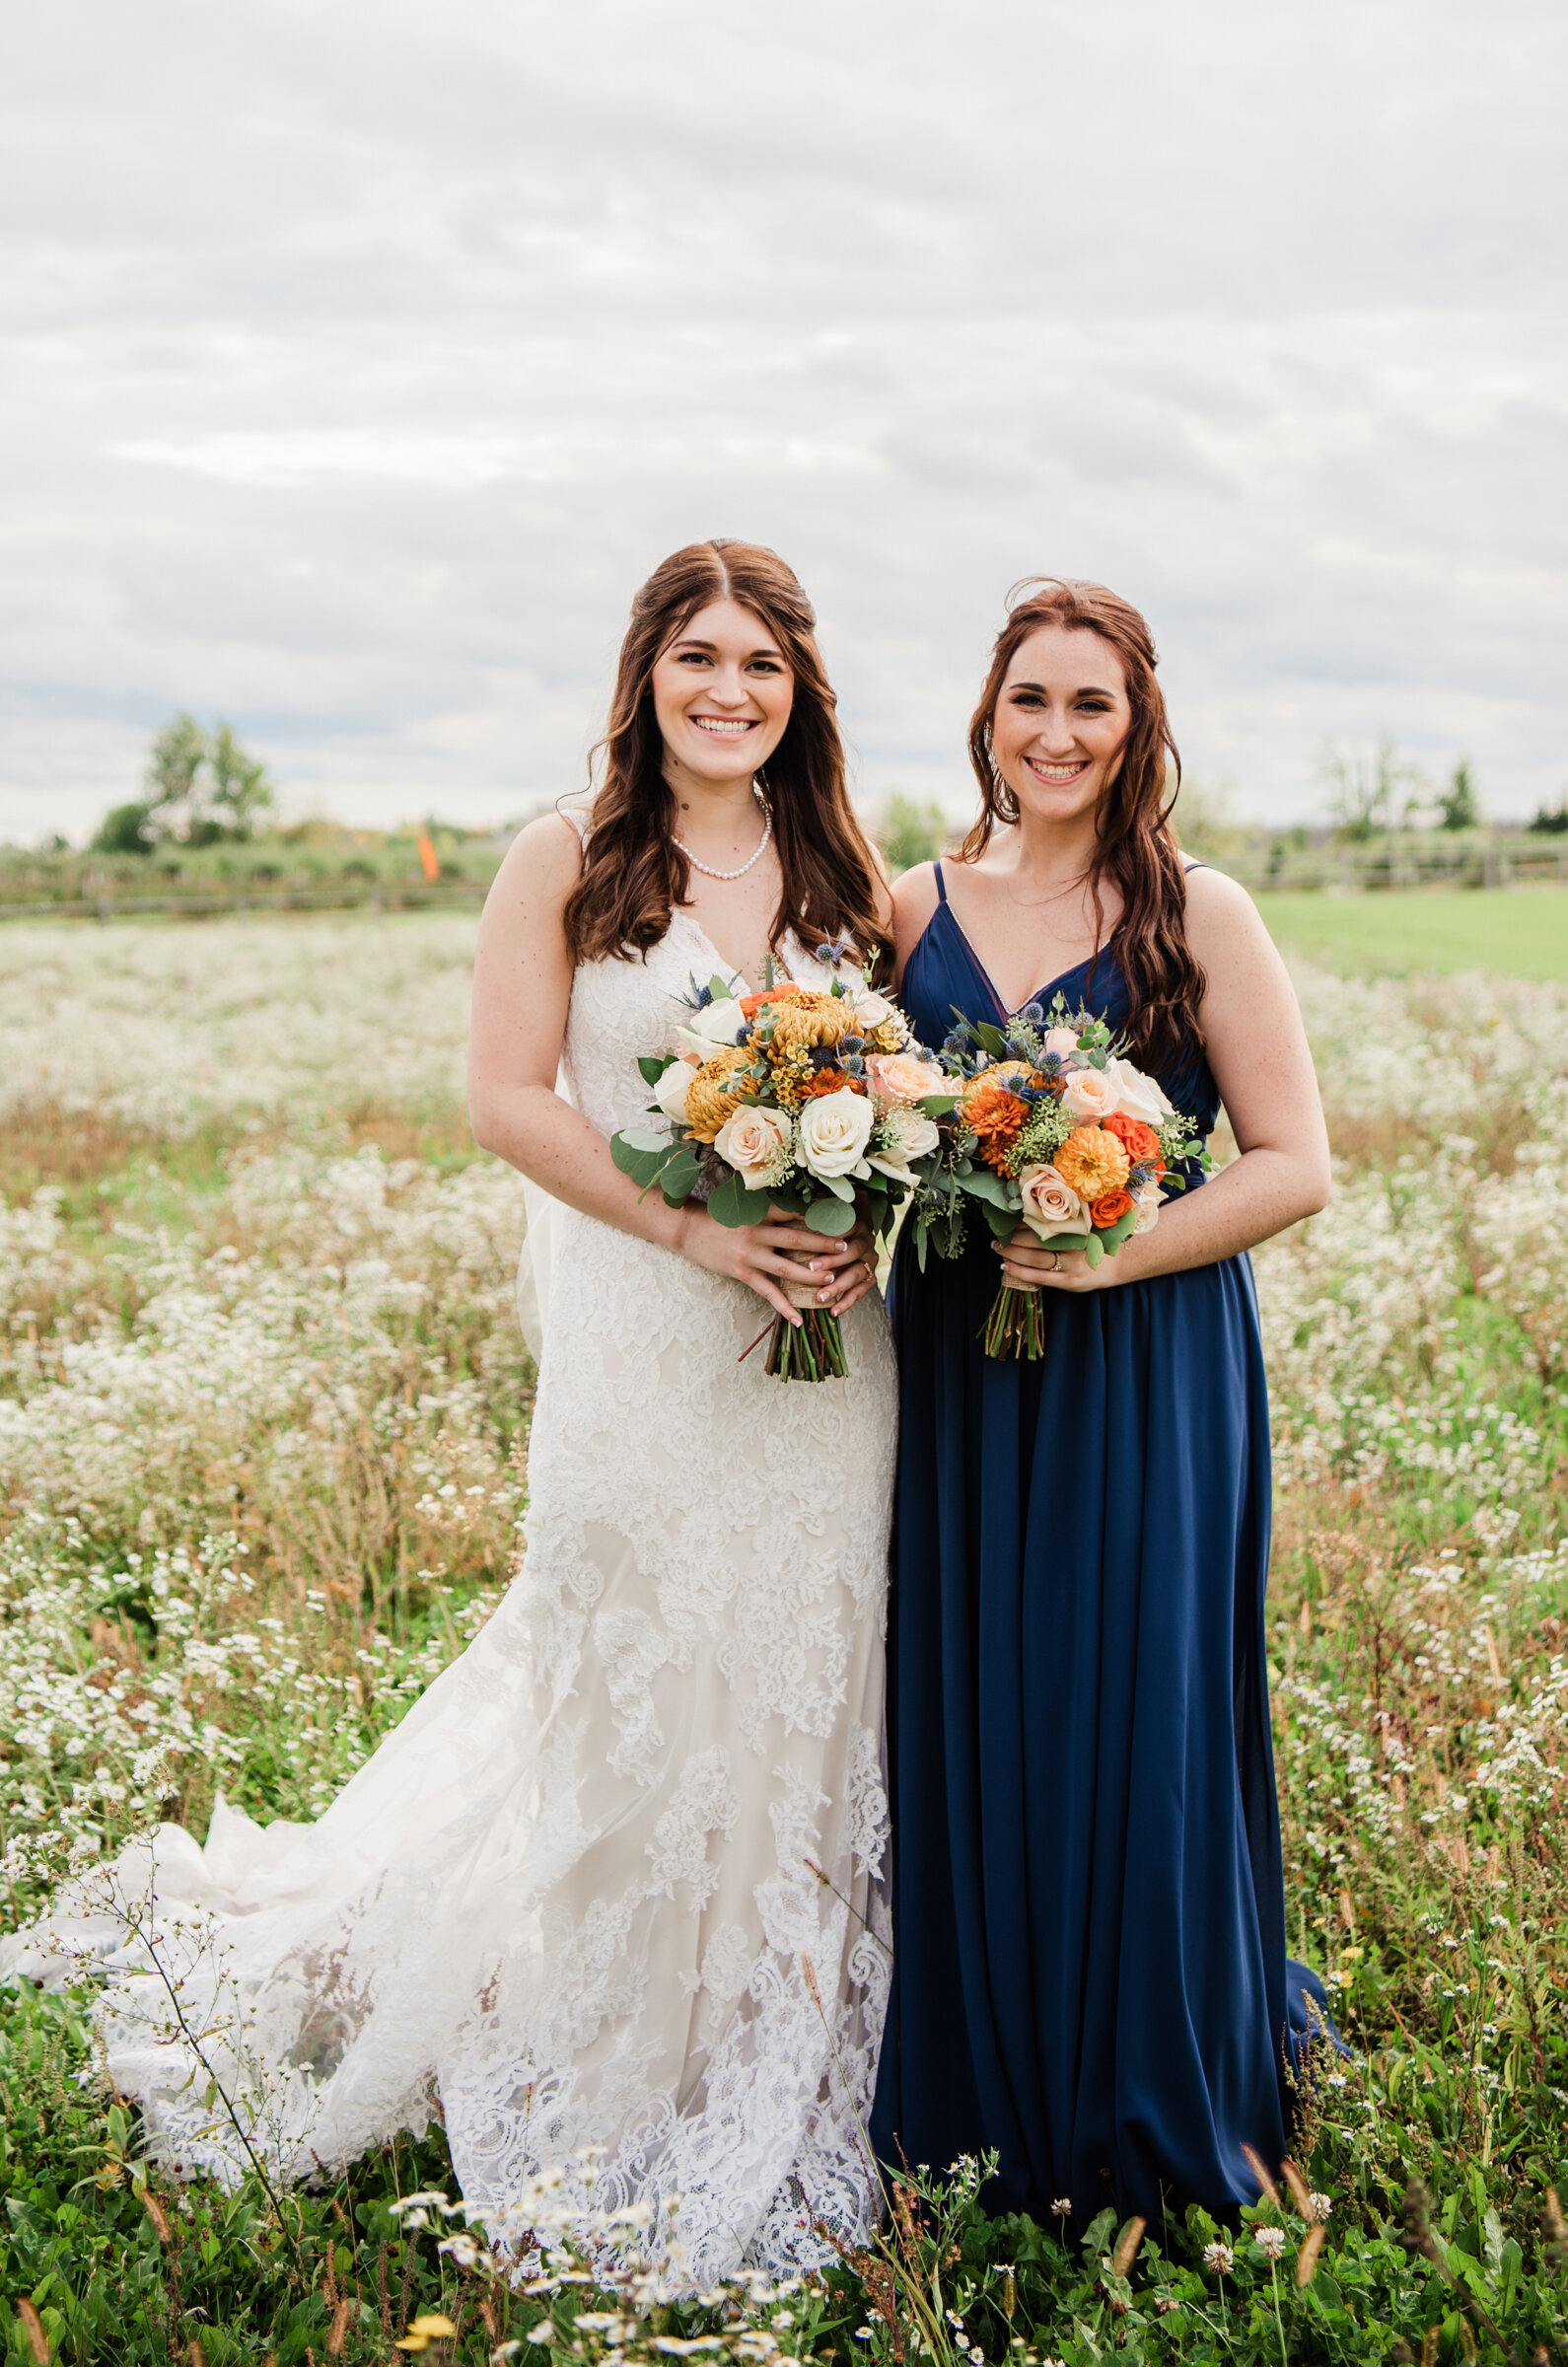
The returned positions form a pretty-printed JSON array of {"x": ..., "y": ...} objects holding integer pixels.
[
  {"x": 709, "y": 1097},
  {"x": 1091, "y": 1162},
  {"x": 810, "y": 1019}
]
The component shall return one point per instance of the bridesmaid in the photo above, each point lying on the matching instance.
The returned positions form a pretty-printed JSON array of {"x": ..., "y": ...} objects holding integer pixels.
[{"x": 1090, "y": 1968}]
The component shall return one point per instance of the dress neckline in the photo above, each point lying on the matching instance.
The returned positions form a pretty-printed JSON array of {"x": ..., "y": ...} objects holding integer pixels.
[{"x": 1038, "y": 994}]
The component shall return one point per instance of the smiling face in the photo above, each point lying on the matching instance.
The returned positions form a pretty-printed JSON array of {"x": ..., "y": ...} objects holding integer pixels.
[
  {"x": 1061, "y": 722},
  {"x": 722, "y": 692}
]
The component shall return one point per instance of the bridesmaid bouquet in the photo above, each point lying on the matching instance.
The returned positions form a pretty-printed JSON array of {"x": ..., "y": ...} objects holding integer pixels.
[
  {"x": 1052, "y": 1127},
  {"x": 792, "y": 1098}
]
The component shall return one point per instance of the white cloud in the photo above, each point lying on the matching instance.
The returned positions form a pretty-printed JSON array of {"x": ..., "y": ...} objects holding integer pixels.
[{"x": 360, "y": 361}]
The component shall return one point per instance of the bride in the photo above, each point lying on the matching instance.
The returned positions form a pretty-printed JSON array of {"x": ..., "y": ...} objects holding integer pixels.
[{"x": 617, "y": 1880}]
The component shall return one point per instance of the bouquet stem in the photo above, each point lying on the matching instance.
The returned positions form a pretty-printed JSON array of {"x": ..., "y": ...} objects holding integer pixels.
[
  {"x": 813, "y": 1348},
  {"x": 813, "y": 1351},
  {"x": 1016, "y": 1326}
]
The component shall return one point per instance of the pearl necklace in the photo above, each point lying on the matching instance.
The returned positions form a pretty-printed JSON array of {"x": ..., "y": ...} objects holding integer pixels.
[{"x": 707, "y": 868}]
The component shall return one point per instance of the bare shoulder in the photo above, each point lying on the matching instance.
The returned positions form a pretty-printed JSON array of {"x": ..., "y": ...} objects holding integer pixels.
[
  {"x": 540, "y": 867},
  {"x": 1224, "y": 926}
]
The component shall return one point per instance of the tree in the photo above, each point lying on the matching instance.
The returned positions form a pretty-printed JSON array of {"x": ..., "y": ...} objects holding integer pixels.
[
  {"x": 202, "y": 786},
  {"x": 1458, "y": 805},
  {"x": 124, "y": 830},
  {"x": 1552, "y": 819},
  {"x": 909, "y": 833},
  {"x": 1362, "y": 788}
]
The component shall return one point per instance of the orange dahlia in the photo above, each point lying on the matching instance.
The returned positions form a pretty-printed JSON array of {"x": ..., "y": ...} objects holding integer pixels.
[
  {"x": 1092, "y": 1162},
  {"x": 993, "y": 1115},
  {"x": 1110, "y": 1208},
  {"x": 828, "y": 1080}
]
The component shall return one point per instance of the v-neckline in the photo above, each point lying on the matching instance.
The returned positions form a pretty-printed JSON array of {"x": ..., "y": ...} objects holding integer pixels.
[{"x": 1040, "y": 992}]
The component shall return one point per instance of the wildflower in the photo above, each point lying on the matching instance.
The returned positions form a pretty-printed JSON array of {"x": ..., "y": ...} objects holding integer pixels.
[
  {"x": 1219, "y": 2258},
  {"x": 1321, "y": 2205},
  {"x": 1062, "y": 2206},
  {"x": 1165, "y": 2303},
  {"x": 431, "y": 2328},
  {"x": 1270, "y": 2242}
]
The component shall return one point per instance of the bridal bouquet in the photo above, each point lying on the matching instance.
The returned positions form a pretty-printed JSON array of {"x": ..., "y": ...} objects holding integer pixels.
[
  {"x": 792, "y": 1098},
  {"x": 1054, "y": 1127}
]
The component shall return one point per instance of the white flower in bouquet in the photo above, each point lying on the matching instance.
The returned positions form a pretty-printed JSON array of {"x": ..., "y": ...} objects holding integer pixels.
[
  {"x": 834, "y": 1132},
  {"x": 1135, "y": 1095},
  {"x": 716, "y": 1024},
  {"x": 672, "y": 1087},
  {"x": 1150, "y": 1199},
  {"x": 904, "y": 1135},
  {"x": 1088, "y": 1096},
  {"x": 873, "y": 1011},
  {"x": 1050, "y": 1204},
  {"x": 757, "y": 1143}
]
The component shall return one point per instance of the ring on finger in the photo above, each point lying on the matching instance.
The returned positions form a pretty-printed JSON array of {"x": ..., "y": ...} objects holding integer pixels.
[{"x": 1057, "y": 1263}]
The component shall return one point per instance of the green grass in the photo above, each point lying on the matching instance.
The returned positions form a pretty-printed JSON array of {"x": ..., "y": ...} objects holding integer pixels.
[{"x": 1521, "y": 931}]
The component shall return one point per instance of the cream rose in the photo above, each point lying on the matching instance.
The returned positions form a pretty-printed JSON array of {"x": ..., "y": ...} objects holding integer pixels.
[
  {"x": 834, "y": 1132},
  {"x": 873, "y": 1011},
  {"x": 900, "y": 1077},
  {"x": 672, "y": 1087},
  {"x": 1087, "y": 1096},
  {"x": 1136, "y": 1095},
  {"x": 1050, "y": 1204},
  {"x": 717, "y": 1022},
  {"x": 1149, "y": 1199},
  {"x": 904, "y": 1134},
  {"x": 756, "y": 1143},
  {"x": 1063, "y": 1041}
]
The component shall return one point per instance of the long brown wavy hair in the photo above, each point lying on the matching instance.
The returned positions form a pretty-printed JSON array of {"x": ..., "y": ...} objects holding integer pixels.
[
  {"x": 633, "y": 874},
  {"x": 1134, "y": 846}
]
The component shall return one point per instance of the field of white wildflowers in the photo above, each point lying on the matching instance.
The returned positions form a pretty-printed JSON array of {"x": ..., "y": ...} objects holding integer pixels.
[{"x": 263, "y": 1414}]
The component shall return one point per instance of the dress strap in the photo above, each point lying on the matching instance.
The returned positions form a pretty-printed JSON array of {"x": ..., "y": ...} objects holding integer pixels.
[{"x": 942, "y": 885}]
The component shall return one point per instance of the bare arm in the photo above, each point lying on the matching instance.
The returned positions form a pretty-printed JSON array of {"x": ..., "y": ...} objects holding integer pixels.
[
  {"x": 522, "y": 987},
  {"x": 1257, "y": 1050}
]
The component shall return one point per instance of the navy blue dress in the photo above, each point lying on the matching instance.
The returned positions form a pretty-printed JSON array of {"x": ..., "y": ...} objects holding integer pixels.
[{"x": 1089, "y": 1971}]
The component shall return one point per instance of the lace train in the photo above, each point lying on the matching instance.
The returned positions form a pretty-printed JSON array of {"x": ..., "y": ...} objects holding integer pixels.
[{"x": 617, "y": 1880}]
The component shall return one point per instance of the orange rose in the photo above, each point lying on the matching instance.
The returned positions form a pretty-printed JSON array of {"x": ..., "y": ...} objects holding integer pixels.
[
  {"x": 1108, "y": 1209},
  {"x": 752, "y": 1004},
  {"x": 1143, "y": 1143}
]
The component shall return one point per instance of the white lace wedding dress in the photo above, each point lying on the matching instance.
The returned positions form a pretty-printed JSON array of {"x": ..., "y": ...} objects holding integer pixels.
[{"x": 617, "y": 1880}]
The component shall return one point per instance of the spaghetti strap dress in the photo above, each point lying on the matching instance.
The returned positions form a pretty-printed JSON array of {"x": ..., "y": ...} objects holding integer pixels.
[{"x": 1090, "y": 1973}]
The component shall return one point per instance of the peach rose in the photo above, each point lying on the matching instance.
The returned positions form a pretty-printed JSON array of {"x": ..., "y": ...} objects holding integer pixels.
[
  {"x": 900, "y": 1077},
  {"x": 756, "y": 1143},
  {"x": 1050, "y": 1204},
  {"x": 1087, "y": 1096},
  {"x": 1063, "y": 1041},
  {"x": 1150, "y": 1199}
]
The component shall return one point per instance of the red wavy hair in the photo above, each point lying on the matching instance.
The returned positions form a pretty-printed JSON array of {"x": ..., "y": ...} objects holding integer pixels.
[{"x": 1134, "y": 846}]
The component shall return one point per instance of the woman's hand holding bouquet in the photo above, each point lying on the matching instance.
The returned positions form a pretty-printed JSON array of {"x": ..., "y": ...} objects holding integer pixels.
[
  {"x": 1054, "y": 1129},
  {"x": 796, "y": 1101}
]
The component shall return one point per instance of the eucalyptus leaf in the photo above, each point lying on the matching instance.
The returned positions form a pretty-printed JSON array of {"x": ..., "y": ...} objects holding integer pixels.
[
  {"x": 643, "y": 1138},
  {"x": 734, "y": 1205},
  {"x": 652, "y": 1065},
  {"x": 1094, "y": 1250},
  {"x": 1002, "y": 1221},
  {"x": 830, "y": 1216}
]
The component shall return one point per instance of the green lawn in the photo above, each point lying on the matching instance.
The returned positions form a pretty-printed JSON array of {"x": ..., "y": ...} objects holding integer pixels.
[{"x": 1521, "y": 930}]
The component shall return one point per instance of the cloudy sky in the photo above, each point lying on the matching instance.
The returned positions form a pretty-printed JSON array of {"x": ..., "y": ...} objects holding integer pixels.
[{"x": 359, "y": 359}]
